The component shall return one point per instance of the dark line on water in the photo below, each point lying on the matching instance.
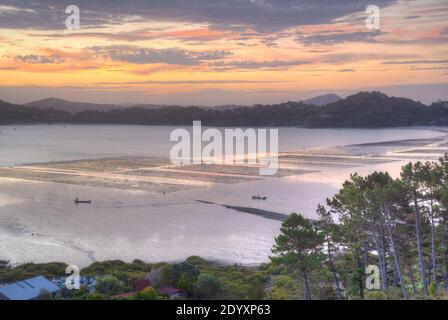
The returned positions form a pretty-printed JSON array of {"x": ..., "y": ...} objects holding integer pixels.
[{"x": 259, "y": 212}]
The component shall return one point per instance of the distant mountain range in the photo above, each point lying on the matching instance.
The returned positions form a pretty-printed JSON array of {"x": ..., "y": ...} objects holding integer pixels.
[
  {"x": 75, "y": 107},
  {"x": 70, "y": 106},
  {"x": 364, "y": 109}
]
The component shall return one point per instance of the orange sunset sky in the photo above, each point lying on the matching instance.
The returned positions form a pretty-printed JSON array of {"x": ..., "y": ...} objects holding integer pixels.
[{"x": 211, "y": 52}]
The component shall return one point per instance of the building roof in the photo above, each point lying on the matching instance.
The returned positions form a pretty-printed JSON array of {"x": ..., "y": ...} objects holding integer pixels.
[
  {"x": 169, "y": 291},
  {"x": 123, "y": 295},
  {"x": 28, "y": 289},
  {"x": 141, "y": 284}
]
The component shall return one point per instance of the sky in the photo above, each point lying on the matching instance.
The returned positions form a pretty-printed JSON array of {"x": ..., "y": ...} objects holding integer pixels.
[{"x": 215, "y": 52}]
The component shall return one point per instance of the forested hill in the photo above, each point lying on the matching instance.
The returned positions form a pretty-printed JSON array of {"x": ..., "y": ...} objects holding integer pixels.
[
  {"x": 365, "y": 109},
  {"x": 15, "y": 114},
  {"x": 373, "y": 109}
]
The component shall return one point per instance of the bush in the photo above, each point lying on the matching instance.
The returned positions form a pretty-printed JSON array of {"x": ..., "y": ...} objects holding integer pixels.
[
  {"x": 197, "y": 261},
  {"x": 277, "y": 294},
  {"x": 208, "y": 286},
  {"x": 109, "y": 285},
  {"x": 29, "y": 270},
  {"x": 45, "y": 295},
  {"x": 375, "y": 295},
  {"x": 433, "y": 290},
  {"x": 147, "y": 294},
  {"x": 95, "y": 296},
  {"x": 161, "y": 276}
]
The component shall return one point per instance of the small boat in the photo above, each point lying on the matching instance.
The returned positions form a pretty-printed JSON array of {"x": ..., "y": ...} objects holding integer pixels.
[
  {"x": 259, "y": 198},
  {"x": 77, "y": 201}
]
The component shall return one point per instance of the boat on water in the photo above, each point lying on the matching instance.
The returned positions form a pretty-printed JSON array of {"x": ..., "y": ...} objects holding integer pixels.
[
  {"x": 77, "y": 201},
  {"x": 259, "y": 198}
]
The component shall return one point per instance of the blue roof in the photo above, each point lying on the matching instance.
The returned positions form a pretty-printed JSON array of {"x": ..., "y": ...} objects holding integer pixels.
[{"x": 28, "y": 289}]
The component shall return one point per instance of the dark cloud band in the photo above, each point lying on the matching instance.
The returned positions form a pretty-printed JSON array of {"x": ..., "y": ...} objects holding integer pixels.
[{"x": 259, "y": 15}]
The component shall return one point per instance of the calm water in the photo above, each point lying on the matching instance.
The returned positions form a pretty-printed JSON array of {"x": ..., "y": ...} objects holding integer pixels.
[
  {"x": 36, "y": 144},
  {"x": 39, "y": 222}
]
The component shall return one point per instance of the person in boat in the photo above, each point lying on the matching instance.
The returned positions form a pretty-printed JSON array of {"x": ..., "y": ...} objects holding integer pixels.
[{"x": 82, "y": 201}]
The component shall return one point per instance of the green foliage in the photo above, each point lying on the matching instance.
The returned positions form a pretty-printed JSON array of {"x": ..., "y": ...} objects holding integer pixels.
[
  {"x": 95, "y": 296},
  {"x": 208, "y": 286},
  {"x": 299, "y": 247},
  {"x": 328, "y": 292},
  {"x": 278, "y": 294},
  {"x": 116, "y": 266},
  {"x": 285, "y": 285},
  {"x": 389, "y": 294},
  {"x": 161, "y": 275},
  {"x": 364, "y": 109},
  {"x": 298, "y": 243},
  {"x": 125, "y": 272},
  {"x": 237, "y": 282},
  {"x": 110, "y": 285},
  {"x": 376, "y": 295},
  {"x": 147, "y": 294},
  {"x": 45, "y": 295},
  {"x": 197, "y": 261},
  {"x": 29, "y": 270},
  {"x": 433, "y": 290},
  {"x": 184, "y": 275}
]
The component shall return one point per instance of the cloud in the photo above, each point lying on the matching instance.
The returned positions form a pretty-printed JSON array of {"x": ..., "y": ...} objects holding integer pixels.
[
  {"x": 38, "y": 59},
  {"x": 426, "y": 93},
  {"x": 8, "y": 68},
  {"x": 336, "y": 58},
  {"x": 417, "y": 62},
  {"x": 202, "y": 34},
  {"x": 260, "y": 15},
  {"x": 346, "y": 70},
  {"x": 174, "y": 56},
  {"x": 429, "y": 68},
  {"x": 251, "y": 64},
  {"x": 333, "y": 38},
  {"x": 190, "y": 82}
]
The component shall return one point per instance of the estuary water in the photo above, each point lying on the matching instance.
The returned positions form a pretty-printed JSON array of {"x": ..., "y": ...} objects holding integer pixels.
[{"x": 39, "y": 221}]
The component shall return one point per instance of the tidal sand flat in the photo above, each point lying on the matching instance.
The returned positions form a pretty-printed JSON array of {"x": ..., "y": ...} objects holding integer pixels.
[{"x": 151, "y": 174}]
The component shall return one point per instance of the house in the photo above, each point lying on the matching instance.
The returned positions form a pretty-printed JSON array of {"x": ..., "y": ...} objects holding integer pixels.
[
  {"x": 29, "y": 289},
  {"x": 139, "y": 285},
  {"x": 125, "y": 295},
  {"x": 88, "y": 282},
  {"x": 172, "y": 292}
]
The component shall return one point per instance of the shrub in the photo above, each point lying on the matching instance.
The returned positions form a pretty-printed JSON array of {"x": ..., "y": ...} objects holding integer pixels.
[
  {"x": 375, "y": 295},
  {"x": 109, "y": 285},
  {"x": 147, "y": 294},
  {"x": 208, "y": 286}
]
